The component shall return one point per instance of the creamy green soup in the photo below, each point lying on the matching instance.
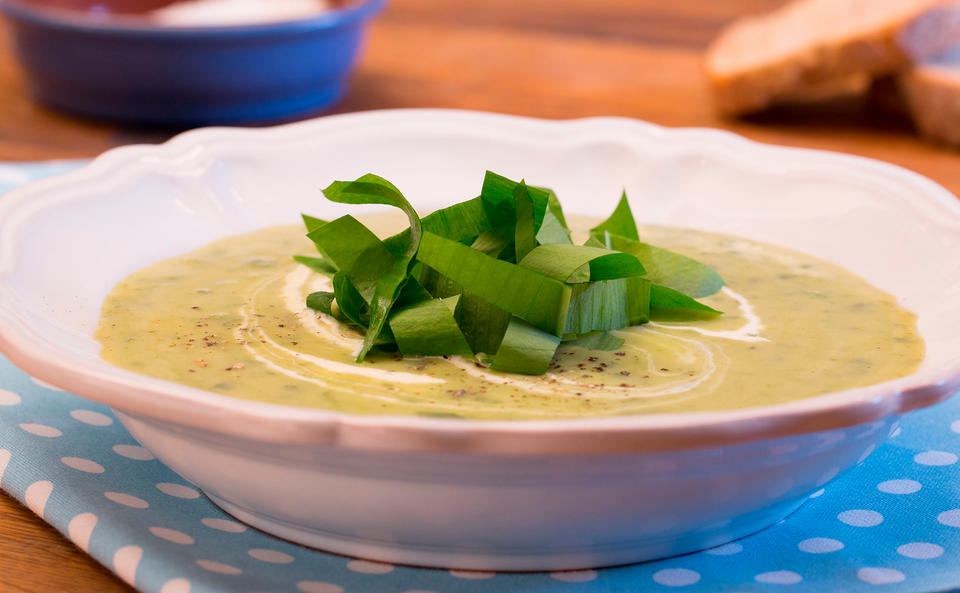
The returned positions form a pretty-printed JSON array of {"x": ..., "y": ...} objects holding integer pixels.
[{"x": 230, "y": 318}]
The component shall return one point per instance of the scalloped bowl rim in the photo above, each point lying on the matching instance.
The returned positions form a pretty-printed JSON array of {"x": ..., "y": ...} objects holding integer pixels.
[{"x": 176, "y": 404}]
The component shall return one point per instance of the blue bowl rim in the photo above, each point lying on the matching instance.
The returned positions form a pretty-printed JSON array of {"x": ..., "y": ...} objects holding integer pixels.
[{"x": 62, "y": 20}]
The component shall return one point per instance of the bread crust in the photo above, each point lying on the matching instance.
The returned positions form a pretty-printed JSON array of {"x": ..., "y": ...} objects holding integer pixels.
[{"x": 823, "y": 56}]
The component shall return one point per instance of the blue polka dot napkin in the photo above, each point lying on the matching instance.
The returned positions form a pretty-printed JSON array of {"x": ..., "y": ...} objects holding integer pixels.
[{"x": 892, "y": 524}]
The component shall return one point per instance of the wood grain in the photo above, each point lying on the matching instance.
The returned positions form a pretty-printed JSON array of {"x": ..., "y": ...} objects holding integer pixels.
[
  {"x": 34, "y": 558},
  {"x": 544, "y": 58}
]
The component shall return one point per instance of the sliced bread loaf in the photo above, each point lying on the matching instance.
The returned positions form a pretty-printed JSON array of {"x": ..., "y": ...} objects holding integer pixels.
[
  {"x": 931, "y": 91},
  {"x": 809, "y": 44}
]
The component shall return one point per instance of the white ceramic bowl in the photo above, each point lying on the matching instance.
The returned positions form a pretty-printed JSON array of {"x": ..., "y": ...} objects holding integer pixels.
[{"x": 527, "y": 495}]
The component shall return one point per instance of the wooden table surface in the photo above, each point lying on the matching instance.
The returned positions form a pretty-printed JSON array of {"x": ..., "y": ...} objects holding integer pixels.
[{"x": 545, "y": 58}]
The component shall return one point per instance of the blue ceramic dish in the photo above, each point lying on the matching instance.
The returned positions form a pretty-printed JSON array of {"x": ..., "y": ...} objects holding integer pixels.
[{"x": 133, "y": 71}]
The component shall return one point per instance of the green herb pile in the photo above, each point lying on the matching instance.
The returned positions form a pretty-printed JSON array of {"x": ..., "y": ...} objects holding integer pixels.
[{"x": 496, "y": 277}]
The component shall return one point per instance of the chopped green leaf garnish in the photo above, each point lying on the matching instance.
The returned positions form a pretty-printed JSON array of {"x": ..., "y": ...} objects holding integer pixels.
[
  {"x": 525, "y": 232},
  {"x": 429, "y": 329},
  {"x": 412, "y": 293},
  {"x": 608, "y": 304},
  {"x": 669, "y": 304},
  {"x": 496, "y": 277},
  {"x": 312, "y": 223},
  {"x": 494, "y": 243},
  {"x": 349, "y": 301},
  {"x": 319, "y": 265},
  {"x": 355, "y": 251},
  {"x": 553, "y": 230},
  {"x": 621, "y": 222},
  {"x": 459, "y": 222},
  {"x": 520, "y": 291},
  {"x": 525, "y": 349},
  {"x": 579, "y": 263},
  {"x": 594, "y": 241},
  {"x": 371, "y": 189},
  {"x": 639, "y": 291},
  {"x": 323, "y": 302},
  {"x": 670, "y": 269},
  {"x": 482, "y": 323}
]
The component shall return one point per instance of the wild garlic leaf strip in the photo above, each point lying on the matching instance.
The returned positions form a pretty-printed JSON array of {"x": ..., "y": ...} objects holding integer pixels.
[
  {"x": 429, "y": 329},
  {"x": 668, "y": 268}
]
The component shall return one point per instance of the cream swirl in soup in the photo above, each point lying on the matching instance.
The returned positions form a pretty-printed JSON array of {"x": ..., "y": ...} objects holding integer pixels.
[{"x": 230, "y": 318}]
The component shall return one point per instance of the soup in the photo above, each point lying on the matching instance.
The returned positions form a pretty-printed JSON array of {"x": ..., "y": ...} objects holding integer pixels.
[{"x": 230, "y": 318}]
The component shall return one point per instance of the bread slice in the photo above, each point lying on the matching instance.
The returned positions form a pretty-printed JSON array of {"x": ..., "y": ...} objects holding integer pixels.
[
  {"x": 931, "y": 92},
  {"x": 822, "y": 90},
  {"x": 759, "y": 61}
]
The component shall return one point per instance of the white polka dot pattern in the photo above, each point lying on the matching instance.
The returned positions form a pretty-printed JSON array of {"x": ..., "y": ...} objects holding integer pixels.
[
  {"x": 725, "y": 550},
  {"x": 318, "y": 587},
  {"x": 935, "y": 458},
  {"x": 80, "y": 529},
  {"x": 83, "y": 465},
  {"x": 820, "y": 545},
  {"x": 950, "y": 518},
  {"x": 92, "y": 418},
  {"x": 180, "y": 585},
  {"x": 218, "y": 567},
  {"x": 368, "y": 567},
  {"x": 127, "y": 500},
  {"x": 36, "y": 496},
  {"x": 125, "y": 563},
  {"x": 473, "y": 575},
  {"x": 779, "y": 577},
  {"x": 133, "y": 452},
  {"x": 224, "y": 525},
  {"x": 574, "y": 576},
  {"x": 899, "y": 486},
  {"x": 880, "y": 576},
  {"x": 4, "y": 460},
  {"x": 272, "y": 556},
  {"x": 9, "y": 398},
  {"x": 676, "y": 577},
  {"x": 920, "y": 550},
  {"x": 40, "y": 430},
  {"x": 172, "y": 535},
  {"x": 178, "y": 490},
  {"x": 861, "y": 518}
]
